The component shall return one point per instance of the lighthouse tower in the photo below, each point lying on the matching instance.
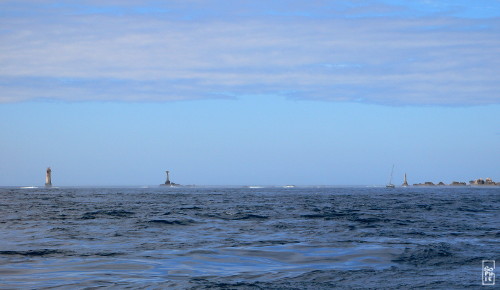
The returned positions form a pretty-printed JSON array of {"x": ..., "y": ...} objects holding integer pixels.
[
  {"x": 168, "y": 178},
  {"x": 48, "y": 178},
  {"x": 168, "y": 182},
  {"x": 405, "y": 182}
]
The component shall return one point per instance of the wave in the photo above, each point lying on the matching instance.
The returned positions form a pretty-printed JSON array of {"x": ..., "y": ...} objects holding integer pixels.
[
  {"x": 103, "y": 213},
  {"x": 235, "y": 216},
  {"x": 434, "y": 254},
  {"x": 33, "y": 253},
  {"x": 179, "y": 222},
  {"x": 250, "y": 217}
]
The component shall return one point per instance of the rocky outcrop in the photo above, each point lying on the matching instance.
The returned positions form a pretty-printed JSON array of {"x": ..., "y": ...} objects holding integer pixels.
[
  {"x": 428, "y": 183},
  {"x": 480, "y": 181}
]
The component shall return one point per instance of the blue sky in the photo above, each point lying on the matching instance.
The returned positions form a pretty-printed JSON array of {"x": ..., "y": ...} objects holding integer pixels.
[{"x": 249, "y": 92}]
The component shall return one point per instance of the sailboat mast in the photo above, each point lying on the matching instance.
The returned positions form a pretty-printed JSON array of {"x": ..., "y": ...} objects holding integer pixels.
[{"x": 392, "y": 170}]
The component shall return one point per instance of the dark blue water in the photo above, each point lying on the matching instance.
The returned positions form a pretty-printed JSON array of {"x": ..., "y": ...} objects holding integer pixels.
[{"x": 247, "y": 238}]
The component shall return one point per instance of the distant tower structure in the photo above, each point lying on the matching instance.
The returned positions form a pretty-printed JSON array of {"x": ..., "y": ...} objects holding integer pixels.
[
  {"x": 405, "y": 183},
  {"x": 168, "y": 182},
  {"x": 48, "y": 178},
  {"x": 168, "y": 178}
]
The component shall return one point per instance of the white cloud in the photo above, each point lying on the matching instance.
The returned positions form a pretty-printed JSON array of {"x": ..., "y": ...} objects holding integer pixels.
[{"x": 138, "y": 57}]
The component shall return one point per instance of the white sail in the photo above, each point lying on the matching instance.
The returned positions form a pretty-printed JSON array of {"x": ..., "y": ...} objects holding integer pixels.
[{"x": 390, "y": 185}]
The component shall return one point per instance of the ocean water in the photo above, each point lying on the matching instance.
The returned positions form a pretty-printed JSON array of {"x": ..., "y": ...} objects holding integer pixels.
[{"x": 247, "y": 238}]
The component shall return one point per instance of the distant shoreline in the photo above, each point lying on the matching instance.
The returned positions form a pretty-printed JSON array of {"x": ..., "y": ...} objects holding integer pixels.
[
  {"x": 253, "y": 187},
  {"x": 477, "y": 182}
]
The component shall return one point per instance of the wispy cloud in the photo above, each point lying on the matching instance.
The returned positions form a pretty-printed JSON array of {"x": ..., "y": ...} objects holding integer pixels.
[{"x": 135, "y": 52}]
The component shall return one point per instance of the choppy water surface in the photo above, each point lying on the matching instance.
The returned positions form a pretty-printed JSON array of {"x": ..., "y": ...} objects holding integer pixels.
[{"x": 247, "y": 238}]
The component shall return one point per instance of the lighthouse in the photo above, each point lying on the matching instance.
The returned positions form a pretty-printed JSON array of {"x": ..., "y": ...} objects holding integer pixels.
[
  {"x": 168, "y": 182},
  {"x": 48, "y": 178},
  {"x": 405, "y": 183},
  {"x": 168, "y": 178}
]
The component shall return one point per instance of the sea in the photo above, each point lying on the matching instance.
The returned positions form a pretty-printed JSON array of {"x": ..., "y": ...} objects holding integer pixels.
[{"x": 255, "y": 237}]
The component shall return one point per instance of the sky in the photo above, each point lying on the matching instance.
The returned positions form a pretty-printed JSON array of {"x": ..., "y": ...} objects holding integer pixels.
[{"x": 249, "y": 92}]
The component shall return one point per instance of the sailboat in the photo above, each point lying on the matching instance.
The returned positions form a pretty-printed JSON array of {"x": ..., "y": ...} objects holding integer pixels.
[{"x": 390, "y": 185}]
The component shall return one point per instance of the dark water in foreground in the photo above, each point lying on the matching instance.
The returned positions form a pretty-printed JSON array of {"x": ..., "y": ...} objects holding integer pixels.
[{"x": 247, "y": 238}]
